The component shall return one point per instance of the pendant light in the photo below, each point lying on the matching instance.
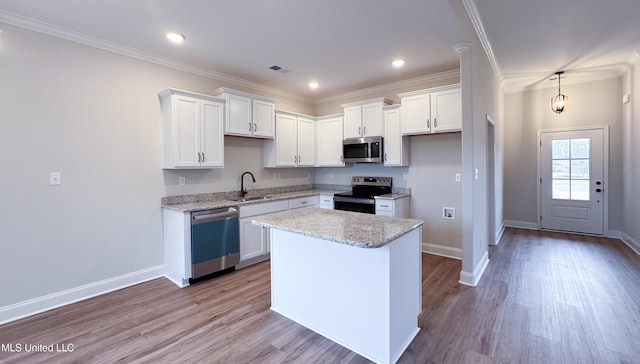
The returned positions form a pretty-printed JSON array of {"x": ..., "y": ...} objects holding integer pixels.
[{"x": 560, "y": 101}]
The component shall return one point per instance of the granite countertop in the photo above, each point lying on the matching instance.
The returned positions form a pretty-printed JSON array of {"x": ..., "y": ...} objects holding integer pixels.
[
  {"x": 220, "y": 202},
  {"x": 392, "y": 196},
  {"x": 345, "y": 227}
]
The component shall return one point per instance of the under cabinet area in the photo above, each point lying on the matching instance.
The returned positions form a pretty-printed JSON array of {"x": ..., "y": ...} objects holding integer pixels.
[
  {"x": 364, "y": 118},
  {"x": 254, "y": 239},
  {"x": 435, "y": 110},
  {"x": 294, "y": 145},
  {"x": 193, "y": 130},
  {"x": 247, "y": 114}
]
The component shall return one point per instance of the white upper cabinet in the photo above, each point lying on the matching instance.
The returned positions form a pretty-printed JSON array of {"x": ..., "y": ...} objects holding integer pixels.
[
  {"x": 247, "y": 114},
  {"x": 364, "y": 118},
  {"x": 193, "y": 130},
  {"x": 329, "y": 131},
  {"x": 435, "y": 110},
  {"x": 396, "y": 146},
  {"x": 294, "y": 144}
]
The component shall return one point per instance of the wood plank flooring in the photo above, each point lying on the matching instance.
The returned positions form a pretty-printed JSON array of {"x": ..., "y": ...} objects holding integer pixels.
[{"x": 545, "y": 298}]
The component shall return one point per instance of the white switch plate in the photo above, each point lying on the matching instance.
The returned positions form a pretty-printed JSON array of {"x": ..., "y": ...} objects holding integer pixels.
[
  {"x": 458, "y": 177},
  {"x": 55, "y": 178},
  {"x": 182, "y": 181},
  {"x": 477, "y": 173}
]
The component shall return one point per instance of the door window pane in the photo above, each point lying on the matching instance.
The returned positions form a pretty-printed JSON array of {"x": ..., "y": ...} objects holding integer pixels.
[
  {"x": 560, "y": 148},
  {"x": 570, "y": 174},
  {"x": 560, "y": 189},
  {"x": 580, "y": 190}
]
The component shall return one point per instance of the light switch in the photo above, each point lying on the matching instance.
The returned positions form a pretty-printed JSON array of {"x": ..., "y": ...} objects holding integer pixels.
[
  {"x": 458, "y": 177},
  {"x": 55, "y": 178}
]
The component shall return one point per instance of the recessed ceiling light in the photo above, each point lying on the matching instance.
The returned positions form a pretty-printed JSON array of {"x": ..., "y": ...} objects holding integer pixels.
[
  {"x": 313, "y": 85},
  {"x": 175, "y": 37},
  {"x": 397, "y": 63}
]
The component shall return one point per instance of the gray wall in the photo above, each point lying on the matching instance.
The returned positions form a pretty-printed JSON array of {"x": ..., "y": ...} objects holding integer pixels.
[
  {"x": 94, "y": 116},
  {"x": 590, "y": 103},
  {"x": 631, "y": 157}
]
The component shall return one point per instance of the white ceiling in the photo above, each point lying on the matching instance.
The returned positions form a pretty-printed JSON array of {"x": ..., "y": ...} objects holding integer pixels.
[{"x": 347, "y": 44}]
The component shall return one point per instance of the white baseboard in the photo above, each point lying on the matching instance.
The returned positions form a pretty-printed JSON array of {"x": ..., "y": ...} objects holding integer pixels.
[
  {"x": 631, "y": 242},
  {"x": 45, "y": 303},
  {"x": 472, "y": 279},
  {"x": 442, "y": 250},
  {"x": 499, "y": 234},
  {"x": 521, "y": 224}
]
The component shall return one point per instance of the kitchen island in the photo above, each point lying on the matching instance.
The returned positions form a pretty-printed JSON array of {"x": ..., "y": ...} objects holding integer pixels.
[{"x": 354, "y": 278}]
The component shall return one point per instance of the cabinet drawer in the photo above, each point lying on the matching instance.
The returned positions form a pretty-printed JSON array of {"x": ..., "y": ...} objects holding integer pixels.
[
  {"x": 308, "y": 201},
  {"x": 384, "y": 205},
  {"x": 326, "y": 201},
  {"x": 263, "y": 208}
]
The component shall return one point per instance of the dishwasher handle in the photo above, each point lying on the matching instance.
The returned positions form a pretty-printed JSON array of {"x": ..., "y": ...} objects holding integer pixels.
[{"x": 199, "y": 217}]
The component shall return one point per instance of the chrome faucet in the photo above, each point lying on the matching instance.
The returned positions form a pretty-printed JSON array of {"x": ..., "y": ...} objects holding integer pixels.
[{"x": 242, "y": 189}]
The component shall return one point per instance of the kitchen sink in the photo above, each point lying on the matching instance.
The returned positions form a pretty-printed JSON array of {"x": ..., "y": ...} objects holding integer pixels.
[{"x": 250, "y": 198}]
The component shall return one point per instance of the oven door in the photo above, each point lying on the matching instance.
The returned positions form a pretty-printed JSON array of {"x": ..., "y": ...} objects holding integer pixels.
[{"x": 355, "y": 204}]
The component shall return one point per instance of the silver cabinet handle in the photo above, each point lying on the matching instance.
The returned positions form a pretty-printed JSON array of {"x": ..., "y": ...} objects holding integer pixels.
[
  {"x": 255, "y": 127},
  {"x": 303, "y": 202},
  {"x": 428, "y": 123},
  {"x": 435, "y": 122},
  {"x": 364, "y": 130},
  {"x": 202, "y": 157},
  {"x": 199, "y": 158},
  {"x": 360, "y": 130},
  {"x": 385, "y": 157},
  {"x": 341, "y": 158},
  {"x": 249, "y": 126},
  {"x": 295, "y": 159},
  {"x": 384, "y": 205},
  {"x": 299, "y": 159}
]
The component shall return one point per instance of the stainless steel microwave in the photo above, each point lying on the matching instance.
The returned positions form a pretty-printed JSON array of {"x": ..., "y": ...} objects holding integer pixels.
[{"x": 362, "y": 150}]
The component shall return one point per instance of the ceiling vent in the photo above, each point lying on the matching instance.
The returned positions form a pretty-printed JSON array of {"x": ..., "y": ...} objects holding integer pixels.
[{"x": 279, "y": 69}]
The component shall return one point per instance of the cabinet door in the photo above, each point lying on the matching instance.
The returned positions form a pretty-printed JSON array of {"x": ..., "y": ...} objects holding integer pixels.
[
  {"x": 253, "y": 240},
  {"x": 186, "y": 131},
  {"x": 239, "y": 120},
  {"x": 416, "y": 118},
  {"x": 212, "y": 141},
  {"x": 353, "y": 122},
  {"x": 446, "y": 110},
  {"x": 372, "y": 120},
  {"x": 329, "y": 143},
  {"x": 263, "y": 119},
  {"x": 394, "y": 149},
  {"x": 306, "y": 142},
  {"x": 286, "y": 137}
]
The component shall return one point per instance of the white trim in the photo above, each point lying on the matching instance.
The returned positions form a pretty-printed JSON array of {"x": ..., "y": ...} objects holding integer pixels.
[
  {"x": 474, "y": 16},
  {"x": 391, "y": 86},
  {"x": 630, "y": 242},
  {"x": 499, "y": 234},
  {"x": 45, "y": 303},
  {"x": 453, "y": 86},
  {"x": 521, "y": 224},
  {"x": 442, "y": 250},
  {"x": 605, "y": 167},
  {"x": 63, "y": 33},
  {"x": 472, "y": 279}
]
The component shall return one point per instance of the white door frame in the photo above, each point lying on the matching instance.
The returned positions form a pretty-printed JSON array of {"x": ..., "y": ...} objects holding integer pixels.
[{"x": 605, "y": 146}]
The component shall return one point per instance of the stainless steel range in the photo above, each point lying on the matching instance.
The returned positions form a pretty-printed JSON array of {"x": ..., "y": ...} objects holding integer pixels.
[{"x": 363, "y": 192}]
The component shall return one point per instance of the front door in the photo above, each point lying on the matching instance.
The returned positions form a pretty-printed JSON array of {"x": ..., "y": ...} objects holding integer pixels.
[{"x": 572, "y": 181}]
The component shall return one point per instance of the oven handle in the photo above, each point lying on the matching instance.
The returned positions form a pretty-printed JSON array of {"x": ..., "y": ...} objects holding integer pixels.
[{"x": 368, "y": 201}]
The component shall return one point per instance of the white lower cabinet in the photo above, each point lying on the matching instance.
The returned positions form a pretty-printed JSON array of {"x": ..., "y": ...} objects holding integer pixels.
[
  {"x": 254, "y": 239},
  {"x": 326, "y": 201},
  {"x": 398, "y": 207}
]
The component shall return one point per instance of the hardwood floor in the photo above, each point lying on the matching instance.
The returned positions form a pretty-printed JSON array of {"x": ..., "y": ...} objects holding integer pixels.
[{"x": 544, "y": 298}]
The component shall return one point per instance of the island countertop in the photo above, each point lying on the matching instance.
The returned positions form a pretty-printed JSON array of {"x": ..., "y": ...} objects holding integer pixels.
[{"x": 345, "y": 227}]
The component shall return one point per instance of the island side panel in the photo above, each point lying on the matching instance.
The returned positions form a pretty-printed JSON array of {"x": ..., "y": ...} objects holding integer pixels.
[
  {"x": 177, "y": 246},
  {"x": 336, "y": 290},
  {"x": 405, "y": 283}
]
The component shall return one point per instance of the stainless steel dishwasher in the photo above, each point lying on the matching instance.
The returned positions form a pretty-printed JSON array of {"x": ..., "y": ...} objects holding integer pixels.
[{"x": 215, "y": 241}]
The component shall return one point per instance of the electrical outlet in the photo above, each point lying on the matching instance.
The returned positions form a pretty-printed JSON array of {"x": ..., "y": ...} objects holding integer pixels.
[
  {"x": 405, "y": 176},
  {"x": 182, "y": 181},
  {"x": 449, "y": 213},
  {"x": 55, "y": 179},
  {"x": 458, "y": 177}
]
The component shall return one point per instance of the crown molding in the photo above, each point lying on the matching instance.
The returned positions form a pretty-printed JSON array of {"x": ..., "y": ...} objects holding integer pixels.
[
  {"x": 63, "y": 33},
  {"x": 391, "y": 86},
  {"x": 521, "y": 83},
  {"x": 474, "y": 16}
]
